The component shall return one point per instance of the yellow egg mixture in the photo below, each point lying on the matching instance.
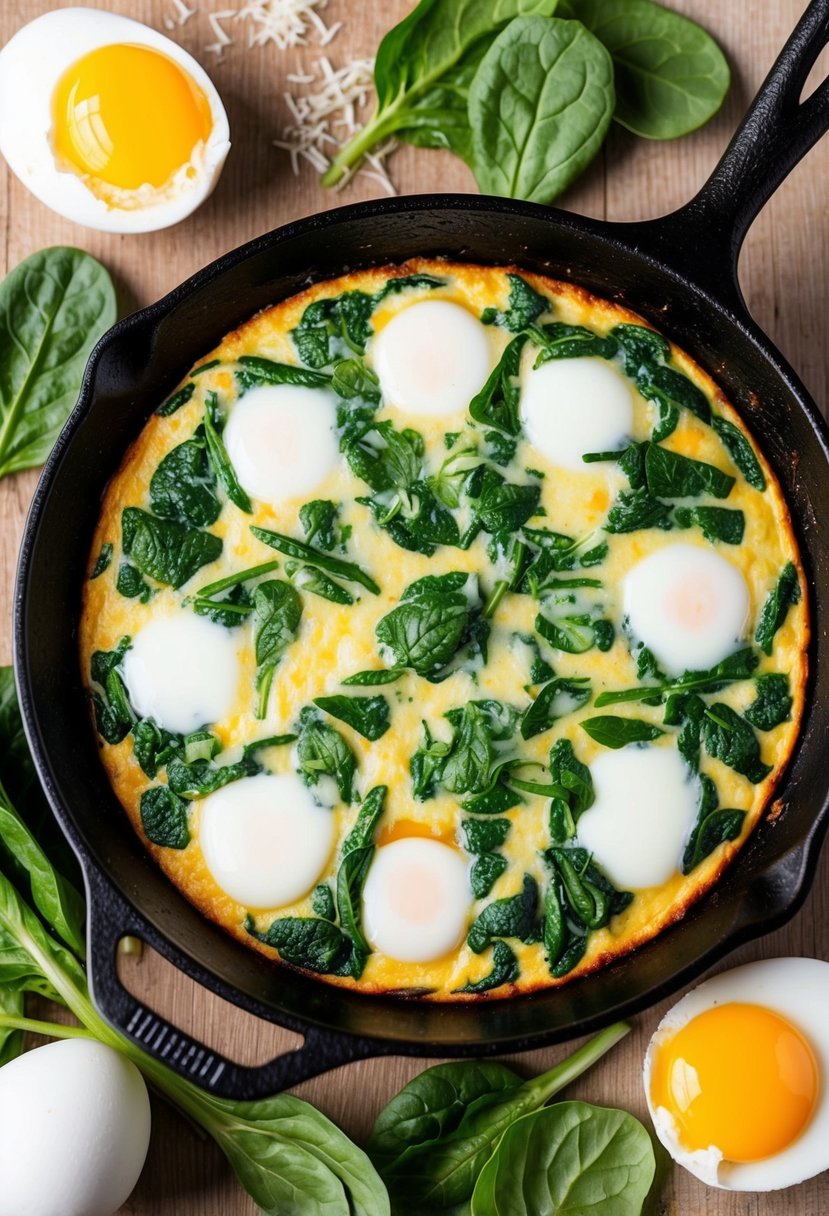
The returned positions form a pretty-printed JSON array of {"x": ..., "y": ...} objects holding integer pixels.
[{"x": 337, "y": 640}]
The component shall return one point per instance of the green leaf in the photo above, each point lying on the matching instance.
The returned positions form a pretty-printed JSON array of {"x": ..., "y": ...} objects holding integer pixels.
[
  {"x": 715, "y": 523},
  {"x": 176, "y": 400},
  {"x": 484, "y": 835},
  {"x": 637, "y": 509},
  {"x": 573, "y": 633},
  {"x": 355, "y": 861},
  {"x": 497, "y": 402},
  {"x": 740, "y": 451},
  {"x": 513, "y": 916},
  {"x": 130, "y": 583},
  {"x": 306, "y": 941},
  {"x": 773, "y": 703},
  {"x": 561, "y": 696},
  {"x": 182, "y": 486},
  {"x": 505, "y": 970},
  {"x": 319, "y": 522},
  {"x": 729, "y": 738},
  {"x": 114, "y": 716},
  {"x": 102, "y": 562},
  {"x": 737, "y": 666},
  {"x": 540, "y": 104},
  {"x": 334, "y": 326},
  {"x": 615, "y": 732},
  {"x": 712, "y": 828},
  {"x": 153, "y": 746},
  {"x": 671, "y": 475},
  {"x": 277, "y": 611},
  {"x": 168, "y": 551},
  {"x": 349, "y": 571},
  {"x": 322, "y": 751},
  {"x": 256, "y": 371},
  {"x": 427, "y": 628},
  {"x": 568, "y": 1159},
  {"x": 525, "y": 306},
  {"x": 776, "y": 608},
  {"x": 54, "y": 306},
  {"x": 478, "y": 726},
  {"x": 486, "y": 870},
  {"x": 222, "y": 467},
  {"x": 370, "y": 679},
  {"x": 322, "y": 902},
  {"x": 671, "y": 77},
  {"x": 164, "y": 817},
  {"x": 560, "y": 341},
  {"x": 369, "y": 716}
]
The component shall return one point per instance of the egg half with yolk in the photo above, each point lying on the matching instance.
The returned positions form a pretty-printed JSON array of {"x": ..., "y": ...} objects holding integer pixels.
[
  {"x": 735, "y": 1076},
  {"x": 108, "y": 122}
]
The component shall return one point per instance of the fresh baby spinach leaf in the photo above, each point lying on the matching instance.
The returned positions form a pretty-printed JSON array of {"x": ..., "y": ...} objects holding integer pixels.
[
  {"x": 166, "y": 550},
  {"x": 164, "y": 817},
  {"x": 371, "y": 679},
  {"x": 322, "y": 751},
  {"x": 568, "y": 1158},
  {"x": 671, "y": 77},
  {"x": 615, "y": 732},
  {"x": 575, "y": 632},
  {"x": 255, "y": 370},
  {"x": 524, "y": 306},
  {"x": 317, "y": 582},
  {"x": 54, "y": 306},
  {"x": 773, "y": 703},
  {"x": 540, "y": 104},
  {"x": 729, "y": 738},
  {"x": 306, "y": 941},
  {"x": 429, "y": 625},
  {"x": 496, "y": 404},
  {"x": 277, "y": 610},
  {"x": 114, "y": 716},
  {"x": 369, "y": 716},
  {"x": 776, "y": 608}
]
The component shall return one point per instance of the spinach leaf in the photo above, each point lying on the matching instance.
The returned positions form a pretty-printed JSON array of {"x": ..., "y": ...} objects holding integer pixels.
[
  {"x": 499, "y": 507},
  {"x": 130, "y": 584},
  {"x": 671, "y": 391},
  {"x": 319, "y": 522},
  {"x": 616, "y": 732},
  {"x": 560, "y": 341},
  {"x": 103, "y": 560},
  {"x": 199, "y": 778},
  {"x": 641, "y": 347},
  {"x": 671, "y": 475},
  {"x": 496, "y": 404},
  {"x": 570, "y": 1157},
  {"x": 741, "y": 452},
  {"x": 776, "y": 608},
  {"x": 321, "y": 750},
  {"x": 495, "y": 799},
  {"x": 277, "y": 610},
  {"x": 222, "y": 467},
  {"x": 513, "y": 916},
  {"x": 370, "y": 679},
  {"x": 540, "y": 104},
  {"x": 715, "y": 523},
  {"x": 166, "y": 550},
  {"x": 671, "y": 77},
  {"x": 686, "y": 710},
  {"x": 579, "y": 900},
  {"x": 525, "y": 305},
  {"x": 477, "y": 727},
  {"x": 322, "y": 902},
  {"x": 176, "y": 400},
  {"x": 486, "y": 870},
  {"x": 356, "y": 858},
  {"x": 553, "y": 553},
  {"x": 426, "y": 765},
  {"x": 255, "y": 371},
  {"x": 350, "y": 571},
  {"x": 737, "y": 666},
  {"x": 154, "y": 746},
  {"x": 637, "y": 509},
  {"x": 164, "y": 817},
  {"x": 729, "y": 738},
  {"x": 236, "y": 602},
  {"x": 337, "y": 327},
  {"x": 773, "y": 703},
  {"x": 182, "y": 485},
  {"x": 429, "y": 625},
  {"x": 559, "y": 697},
  {"x": 712, "y": 828},
  {"x": 414, "y": 518},
  {"x": 369, "y": 716},
  {"x": 568, "y": 771},
  {"x": 575, "y": 632},
  {"x": 114, "y": 716},
  {"x": 448, "y": 481},
  {"x": 385, "y": 458},
  {"x": 421, "y": 74},
  {"x": 484, "y": 835},
  {"x": 306, "y": 941},
  {"x": 505, "y": 970},
  {"x": 316, "y": 582},
  {"x": 54, "y": 306}
]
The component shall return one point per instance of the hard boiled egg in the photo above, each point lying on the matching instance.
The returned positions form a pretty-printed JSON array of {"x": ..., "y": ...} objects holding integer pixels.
[
  {"x": 431, "y": 358},
  {"x": 74, "y": 1130},
  {"x": 572, "y": 406},
  {"x": 108, "y": 122},
  {"x": 735, "y": 1076},
  {"x": 265, "y": 840},
  {"x": 688, "y": 605},
  {"x": 645, "y": 806},
  {"x": 182, "y": 670},
  {"x": 416, "y": 899},
  {"x": 280, "y": 439}
]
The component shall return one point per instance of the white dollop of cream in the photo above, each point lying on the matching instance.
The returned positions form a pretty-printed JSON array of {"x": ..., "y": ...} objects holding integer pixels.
[
  {"x": 645, "y": 806},
  {"x": 572, "y": 406},
  {"x": 416, "y": 899},
  {"x": 182, "y": 670},
  {"x": 687, "y": 604},
  {"x": 265, "y": 840},
  {"x": 431, "y": 358},
  {"x": 281, "y": 442},
  {"x": 74, "y": 1130}
]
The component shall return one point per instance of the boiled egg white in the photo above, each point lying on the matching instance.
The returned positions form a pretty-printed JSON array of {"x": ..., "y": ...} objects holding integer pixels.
[
  {"x": 108, "y": 122},
  {"x": 182, "y": 670},
  {"x": 281, "y": 442},
  {"x": 645, "y": 806},
  {"x": 416, "y": 899},
  {"x": 74, "y": 1130},
  {"x": 735, "y": 1076},
  {"x": 265, "y": 840},
  {"x": 431, "y": 358},
  {"x": 688, "y": 605},
  {"x": 572, "y": 406}
]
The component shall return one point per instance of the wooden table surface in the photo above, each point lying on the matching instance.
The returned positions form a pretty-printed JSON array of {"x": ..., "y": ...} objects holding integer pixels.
[{"x": 785, "y": 276}]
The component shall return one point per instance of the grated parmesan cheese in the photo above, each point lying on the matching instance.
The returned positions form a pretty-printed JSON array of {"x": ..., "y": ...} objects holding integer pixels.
[{"x": 326, "y": 115}]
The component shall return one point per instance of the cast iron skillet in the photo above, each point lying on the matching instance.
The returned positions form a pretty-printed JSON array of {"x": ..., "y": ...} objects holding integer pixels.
[{"x": 680, "y": 273}]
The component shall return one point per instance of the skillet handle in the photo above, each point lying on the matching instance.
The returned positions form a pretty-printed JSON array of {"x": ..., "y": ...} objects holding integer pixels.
[
  {"x": 703, "y": 238},
  {"x": 109, "y": 918}
]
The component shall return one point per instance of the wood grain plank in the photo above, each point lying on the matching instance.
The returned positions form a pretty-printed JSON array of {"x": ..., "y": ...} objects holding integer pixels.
[{"x": 785, "y": 277}]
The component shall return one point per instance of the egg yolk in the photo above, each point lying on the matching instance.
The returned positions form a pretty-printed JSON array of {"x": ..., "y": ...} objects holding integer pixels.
[
  {"x": 127, "y": 116},
  {"x": 739, "y": 1078}
]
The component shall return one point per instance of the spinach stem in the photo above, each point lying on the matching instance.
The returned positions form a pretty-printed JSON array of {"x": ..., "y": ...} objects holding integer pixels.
[
  {"x": 53, "y": 1030},
  {"x": 549, "y": 1083}
]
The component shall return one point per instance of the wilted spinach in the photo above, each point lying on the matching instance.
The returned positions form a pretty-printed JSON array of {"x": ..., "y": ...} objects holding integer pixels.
[
  {"x": 715, "y": 523},
  {"x": 579, "y": 900},
  {"x": 524, "y": 306},
  {"x": 183, "y": 483},
  {"x": 436, "y": 619},
  {"x": 776, "y": 608},
  {"x": 322, "y": 751},
  {"x": 615, "y": 732},
  {"x": 773, "y": 702},
  {"x": 166, "y": 550},
  {"x": 349, "y": 571},
  {"x": 729, "y": 738},
  {"x": 277, "y": 610},
  {"x": 559, "y": 697},
  {"x": 369, "y": 716},
  {"x": 712, "y": 828}
]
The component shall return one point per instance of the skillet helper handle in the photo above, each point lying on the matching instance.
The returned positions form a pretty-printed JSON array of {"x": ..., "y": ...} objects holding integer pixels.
[
  {"x": 704, "y": 237},
  {"x": 110, "y": 918}
]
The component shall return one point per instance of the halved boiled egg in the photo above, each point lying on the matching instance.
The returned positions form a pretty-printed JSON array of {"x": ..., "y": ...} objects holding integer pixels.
[
  {"x": 735, "y": 1076},
  {"x": 416, "y": 899},
  {"x": 108, "y": 122},
  {"x": 688, "y": 605}
]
